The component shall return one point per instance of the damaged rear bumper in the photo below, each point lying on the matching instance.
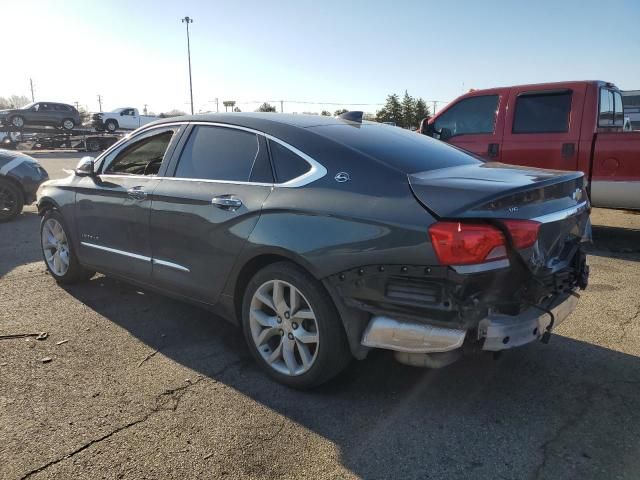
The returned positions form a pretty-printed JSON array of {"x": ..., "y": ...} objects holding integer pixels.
[{"x": 496, "y": 332}]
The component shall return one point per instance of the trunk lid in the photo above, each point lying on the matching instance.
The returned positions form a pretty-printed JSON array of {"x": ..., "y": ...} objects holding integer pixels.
[{"x": 491, "y": 192}]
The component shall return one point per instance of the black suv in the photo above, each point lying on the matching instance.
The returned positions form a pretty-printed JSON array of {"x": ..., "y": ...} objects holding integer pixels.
[{"x": 42, "y": 113}]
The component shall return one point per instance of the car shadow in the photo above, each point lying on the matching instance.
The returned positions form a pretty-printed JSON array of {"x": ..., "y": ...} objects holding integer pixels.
[
  {"x": 565, "y": 410},
  {"x": 13, "y": 254},
  {"x": 616, "y": 242}
]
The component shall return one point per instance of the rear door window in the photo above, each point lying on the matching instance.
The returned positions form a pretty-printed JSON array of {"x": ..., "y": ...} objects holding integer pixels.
[
  {"x": 228, "y": 154},
  {"x": 471, "y": 116},
  {"x": 287, "y": 164},
  {"x": 542, "y": 112}
]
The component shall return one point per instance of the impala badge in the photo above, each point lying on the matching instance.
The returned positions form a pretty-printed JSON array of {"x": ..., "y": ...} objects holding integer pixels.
[{"x": 342, "y": 177}]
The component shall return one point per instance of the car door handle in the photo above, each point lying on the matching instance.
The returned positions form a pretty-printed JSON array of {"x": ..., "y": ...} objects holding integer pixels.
[
  {"x": 227, "y": 202},
  {"x": 137, "y": 193}
]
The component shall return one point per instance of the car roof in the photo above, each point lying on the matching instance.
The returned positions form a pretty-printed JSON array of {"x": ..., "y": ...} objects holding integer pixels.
[
  {"x": 549, "y": 85},
  {"x": 253, "y": 119},
  {"x": 325, "y": 138}
]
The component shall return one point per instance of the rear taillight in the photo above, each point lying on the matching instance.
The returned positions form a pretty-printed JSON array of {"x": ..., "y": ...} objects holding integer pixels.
[
  {"x": 457, "y": 243},
  {"x": 524, "y": 233}
]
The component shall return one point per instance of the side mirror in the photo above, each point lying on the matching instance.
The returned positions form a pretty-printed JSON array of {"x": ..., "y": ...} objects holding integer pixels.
[
  {"x": 85, "y": 167},
  {"x": 445, "y": 134}
]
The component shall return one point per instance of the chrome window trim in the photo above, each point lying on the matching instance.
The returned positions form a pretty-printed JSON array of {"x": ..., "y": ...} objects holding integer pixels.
[
  {"x": 137, "y": 256},
  {"x": 562, "y": 214},
  {"x": 316, "y": 172}
]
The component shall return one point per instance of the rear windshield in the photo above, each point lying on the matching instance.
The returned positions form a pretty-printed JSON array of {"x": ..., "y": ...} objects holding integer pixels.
[{"x": 408, "y": 151}]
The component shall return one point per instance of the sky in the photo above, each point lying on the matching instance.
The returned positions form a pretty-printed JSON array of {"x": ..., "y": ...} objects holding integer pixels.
[{"x": 345, "y": 52}]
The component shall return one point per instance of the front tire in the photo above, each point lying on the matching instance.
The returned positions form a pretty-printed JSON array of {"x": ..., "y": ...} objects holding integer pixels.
[
  {"x": 111, "y": 125},
  {"x": 292, "y": 327},
  {"x": 57, "y": 251},
  {"x": 11, "y": 200}
]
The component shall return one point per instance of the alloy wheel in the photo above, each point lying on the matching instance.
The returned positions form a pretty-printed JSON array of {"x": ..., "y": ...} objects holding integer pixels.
[
  {"x": 17, "y": 122},
  {"x": 67, "y": 125},
  {"x": 284, "y": 327},
  {"x": 55, "y": 247}
]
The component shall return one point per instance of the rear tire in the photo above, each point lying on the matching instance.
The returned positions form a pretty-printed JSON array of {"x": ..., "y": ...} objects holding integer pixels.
[
  {"x": 58, "y": 252},
  {"x": 111, "y": 125},
  {"x": 68, "y": 124},
  {"x": 17, "y": 121},
  {"x": 11, "y": 200},
  {"x": 298, "y": 340}
]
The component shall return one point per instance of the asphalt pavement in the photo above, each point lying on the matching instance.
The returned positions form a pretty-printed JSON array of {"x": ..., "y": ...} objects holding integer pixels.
[{"x": 139, "y": 386}]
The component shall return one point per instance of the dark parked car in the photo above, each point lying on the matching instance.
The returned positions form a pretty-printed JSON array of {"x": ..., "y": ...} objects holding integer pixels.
[
  {"x": 42, "y": 113},
  {"x": 20, "y": 177},
  {"x": 324, "y": 238}
]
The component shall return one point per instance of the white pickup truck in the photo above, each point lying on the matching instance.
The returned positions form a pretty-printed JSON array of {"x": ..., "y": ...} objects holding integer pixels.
[{"x": 121, "y": 119}]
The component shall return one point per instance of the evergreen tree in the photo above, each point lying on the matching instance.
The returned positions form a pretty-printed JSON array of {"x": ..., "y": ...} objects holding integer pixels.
[
  {"x": 408, "y": 111},
  {"x": 266, "y": 107},
  {"x": 422, "y": 111},
  {"x": 326, "y": 113},
  {"x": 340, "y": 111},
  {"x": 392, "y": 111}
]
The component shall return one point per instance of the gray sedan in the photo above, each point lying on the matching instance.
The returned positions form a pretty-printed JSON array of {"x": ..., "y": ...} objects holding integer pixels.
[{"x": 20, "y": 177}]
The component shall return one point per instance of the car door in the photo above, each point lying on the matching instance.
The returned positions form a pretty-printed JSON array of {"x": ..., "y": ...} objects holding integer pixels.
[
  {"x": 112, "y": 207},
  {"x": 473, "y": 124},
  {"x": 542, "y": 127},
  {"x": 615, "y": 178},
  {"x": 203, "y": 214},
  {"x": 46, "y": 114}
]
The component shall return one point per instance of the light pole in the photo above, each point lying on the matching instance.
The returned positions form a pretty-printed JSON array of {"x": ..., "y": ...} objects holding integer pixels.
[{"x": 189, "y": 20}]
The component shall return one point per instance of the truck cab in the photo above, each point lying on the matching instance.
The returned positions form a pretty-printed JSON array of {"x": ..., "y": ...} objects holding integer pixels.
[{"x": 561, "y": 126}]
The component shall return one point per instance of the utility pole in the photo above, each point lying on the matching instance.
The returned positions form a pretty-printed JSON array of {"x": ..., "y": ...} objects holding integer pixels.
[
  {"x": 434, "y": 108},
  {"x": 281, "y": 106},
  {"x": 33, "y": 98},
  {"x": 77, "y": 104},
  {"x": 188, "y": 20},
  {"x": 217, "y": 107},
  {"x": 100, "y": 101},
  {"x": 145, "y": 108}
]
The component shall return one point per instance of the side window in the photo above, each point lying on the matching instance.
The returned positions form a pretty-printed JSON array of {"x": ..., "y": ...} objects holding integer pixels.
[
  {"x": 605, "y": 118},
  {"x": 44, "y": 107},
  {"x": 542, "y": 112},
  {"x": 219, "y": 153},
  {"x": 475, "y": 115},
  {"x": 36, "y": 107},
  {"x": 287, "y": 164},
  {"x": 618, "y": 110},
  {"x": 141, "y": 157}
]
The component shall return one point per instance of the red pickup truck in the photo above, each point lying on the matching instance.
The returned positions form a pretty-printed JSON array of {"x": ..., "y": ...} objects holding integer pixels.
[{"x": 562, "y": 126}]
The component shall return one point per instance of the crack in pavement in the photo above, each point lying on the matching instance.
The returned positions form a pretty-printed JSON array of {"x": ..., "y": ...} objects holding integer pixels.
[
  {"x": 624, "y": 324},
  {"x": 172, "y": 395},
  {"x": 585, "y": 400}
]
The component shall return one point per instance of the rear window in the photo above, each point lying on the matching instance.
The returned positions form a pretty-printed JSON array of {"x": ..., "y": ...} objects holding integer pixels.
[
  {"x": 287, "y": 164},
  {"x": 408, "y": 151},
  {"x": 543, "y": 112}
]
